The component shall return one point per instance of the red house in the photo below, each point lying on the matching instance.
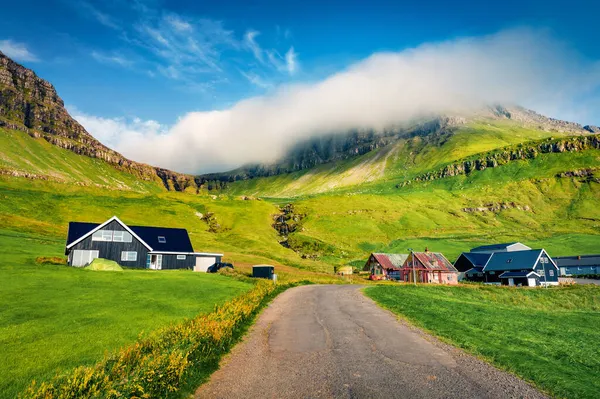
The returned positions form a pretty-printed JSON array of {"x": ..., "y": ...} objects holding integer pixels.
[{"x": 429, "y": 267}]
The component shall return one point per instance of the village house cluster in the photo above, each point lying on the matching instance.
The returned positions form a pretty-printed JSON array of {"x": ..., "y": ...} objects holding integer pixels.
[{"x": 512, "y": 264}]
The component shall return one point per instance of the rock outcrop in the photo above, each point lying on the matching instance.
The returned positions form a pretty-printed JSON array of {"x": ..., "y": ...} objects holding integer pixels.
[
  {"x": 503, "y": 156},
  {"x": 31, "y": 104}
]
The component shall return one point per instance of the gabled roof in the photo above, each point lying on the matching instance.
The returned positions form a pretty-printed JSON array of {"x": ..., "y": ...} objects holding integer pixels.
[
  {"x": 507, "y": 247},
  {"x": 517, "y": 274},
  {"x": 176, "y": 240},
  {"x": 390, "y": 261},
  {"x": 517, "y": 260},
  {"x": 477, "y": 259},
  {"x": 434, "y": 261},
  {"x": 583, "y": 260}
]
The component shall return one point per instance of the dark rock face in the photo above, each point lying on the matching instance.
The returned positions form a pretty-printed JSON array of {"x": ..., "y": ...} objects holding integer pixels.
[
  {"x": 503, "y": 156},
  {"x": 31, "y": 104}
]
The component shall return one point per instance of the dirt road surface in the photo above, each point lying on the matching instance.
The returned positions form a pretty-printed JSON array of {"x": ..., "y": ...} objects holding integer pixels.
[{"x": 330, "y": 341}]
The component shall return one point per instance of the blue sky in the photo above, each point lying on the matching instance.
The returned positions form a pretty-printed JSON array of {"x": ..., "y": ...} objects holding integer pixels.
[{"x": 150, "y": 63}]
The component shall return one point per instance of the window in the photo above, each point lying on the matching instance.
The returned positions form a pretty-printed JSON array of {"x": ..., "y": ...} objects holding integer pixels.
[
  {"x": 492, "y": 272},
  {"x": 102, "y": 235},
  {"x": 128, "y": 256},
  {"x": 551, "y": 273},
  {"x": 508, "y": 260},
  {"x": 122, "y": 236},
  {"x": 180, "y": 257},
  {"x": 162, "y": 240}
]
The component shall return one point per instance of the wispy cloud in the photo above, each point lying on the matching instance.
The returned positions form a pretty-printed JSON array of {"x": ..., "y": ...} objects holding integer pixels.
[
  {"x": 17, "y": 51},
  {"x": 188, "y": 49},
  {"x": 518, "y": 66},
  {"x": 256, "y": 80},
  {"x": 113, "y": 58},
  {"x": 100, "y": 16},
  {"x": 287, "y": 63},
  {"x": 253, "y": 46}
]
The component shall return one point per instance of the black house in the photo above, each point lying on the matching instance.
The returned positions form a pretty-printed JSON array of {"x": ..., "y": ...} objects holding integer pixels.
[{"x": 134, "y": 246}]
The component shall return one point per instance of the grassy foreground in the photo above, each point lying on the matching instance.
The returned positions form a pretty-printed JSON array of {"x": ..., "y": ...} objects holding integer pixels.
[
  {"x": 549, "y": 337},
  {"x": 54, "y": 318}
]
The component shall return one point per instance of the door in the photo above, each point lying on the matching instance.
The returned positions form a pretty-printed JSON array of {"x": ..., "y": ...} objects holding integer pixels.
[
  {"x": 511, "y": 282},
  {"x": 531, "y": 282},
  {"x": 83, "y": 257},
  {"x": 155, "y": 261},
  {"x": 203, "y": 263}
]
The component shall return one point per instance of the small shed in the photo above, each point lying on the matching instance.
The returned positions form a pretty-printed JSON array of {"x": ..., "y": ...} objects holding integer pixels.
[
  {"x": 263, "y": 271},
  {"x": 345, "y": 270}
]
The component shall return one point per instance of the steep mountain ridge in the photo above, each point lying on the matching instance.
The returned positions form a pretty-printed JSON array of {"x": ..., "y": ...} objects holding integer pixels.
[
  {"x": 343, "y": 146},
  {"x": 31, "y": 104}
]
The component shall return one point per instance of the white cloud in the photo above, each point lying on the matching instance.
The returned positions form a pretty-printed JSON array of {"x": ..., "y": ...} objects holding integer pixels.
[
  {"x": 291, "y": 61},
  {"x": 178, "y": 23},
  {"x": 17, "y": 51},
  {"x": 519, "y": 66},
  {"x": 251, "y": 43},
  {"x": 112, "y": 59},
  {"x": 118, "y": 132},
  {"x": 101, "y": 17},
  {"x": 256, "y": 80}
]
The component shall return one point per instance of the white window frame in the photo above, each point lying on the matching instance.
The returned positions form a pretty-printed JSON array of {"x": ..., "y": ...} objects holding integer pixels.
[
  {"x": 123, "y": 236},
  {"x": 127, "y": 255},
  {"x": 551, "y": 273},
  {"x": 103, "y": 235},
  {"x": 181, "y": 257},
  {"x": 162, "y": 240}
]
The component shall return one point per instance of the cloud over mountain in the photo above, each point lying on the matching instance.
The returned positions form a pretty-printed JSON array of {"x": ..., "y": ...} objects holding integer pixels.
[{"x": 518, "y": 66}]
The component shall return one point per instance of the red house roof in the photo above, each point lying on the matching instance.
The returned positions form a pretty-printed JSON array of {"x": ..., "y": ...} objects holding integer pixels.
[
  {"x": 431, "y": 261},
  {"x": 385, "y": 262}
]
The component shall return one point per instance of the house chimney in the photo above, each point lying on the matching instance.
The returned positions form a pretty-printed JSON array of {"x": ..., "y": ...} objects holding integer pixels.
[
  {"x": 578, "y": 257},
  {"x": 426, "y": 249}
]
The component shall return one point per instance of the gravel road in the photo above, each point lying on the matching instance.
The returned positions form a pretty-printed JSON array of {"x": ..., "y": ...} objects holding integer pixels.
[{"x": 330, "y": 341}]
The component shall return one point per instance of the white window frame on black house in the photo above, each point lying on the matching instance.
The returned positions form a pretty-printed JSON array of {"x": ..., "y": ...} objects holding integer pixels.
[
  {"x": 128, "y": 256},
  {"x": 181, "y": 257},
  {"x": 162, "y": 240},
  {"x": 103, "y": 235},
  {"x": 122, "y": 236}
]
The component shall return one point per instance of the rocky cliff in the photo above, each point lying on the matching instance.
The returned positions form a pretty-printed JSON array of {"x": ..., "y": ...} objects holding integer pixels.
[
  {"x": 31, "y": 104},
  {"x": 340, "y": 146}
]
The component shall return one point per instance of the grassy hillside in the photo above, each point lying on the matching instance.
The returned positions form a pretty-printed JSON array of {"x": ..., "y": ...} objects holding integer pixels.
[
  {"x": 548, "y": 336},
  {"x": 402, "y": 160},
  {"x": 54, "y": 318},
  {"x": 22, "y": 153}
]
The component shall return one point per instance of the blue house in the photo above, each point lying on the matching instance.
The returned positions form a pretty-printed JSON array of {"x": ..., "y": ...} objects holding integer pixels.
[
  {"x": 510, "y": 265},
  {"x": 578, "y": 265}
]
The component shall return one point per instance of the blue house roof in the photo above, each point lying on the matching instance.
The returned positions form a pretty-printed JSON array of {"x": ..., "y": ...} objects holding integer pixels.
[
  {"x": 517, "y": 260},
  {"x": 517, "y": 274},
  {"x": 477, "y": 259},
  {"x": 175, "y": 240},
  {"x": 582, "y": 260}
]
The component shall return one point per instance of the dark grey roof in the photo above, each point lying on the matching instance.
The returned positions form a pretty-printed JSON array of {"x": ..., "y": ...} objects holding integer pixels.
[
  {"x": 514, "y": 274},
  {"x": 176, "y": 240},
  {"x": 477, "y": 259},
  {"x": 583, "y": 260},
  {"x": 517, "y": 260}
]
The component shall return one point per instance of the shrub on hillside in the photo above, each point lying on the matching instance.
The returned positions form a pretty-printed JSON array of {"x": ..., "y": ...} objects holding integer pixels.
[
  {"x": 51, "y": 260},
  {"x": 157, "y": 366}
]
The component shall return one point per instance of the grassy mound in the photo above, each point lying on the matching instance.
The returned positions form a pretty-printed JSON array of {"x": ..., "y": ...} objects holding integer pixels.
[{"x": 105, "y": 265}]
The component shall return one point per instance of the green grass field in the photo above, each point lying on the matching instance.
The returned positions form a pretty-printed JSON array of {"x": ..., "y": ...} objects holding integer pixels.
[
  {"x": 547, "y": 336},
  {"x": 54, "y": 318}
]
